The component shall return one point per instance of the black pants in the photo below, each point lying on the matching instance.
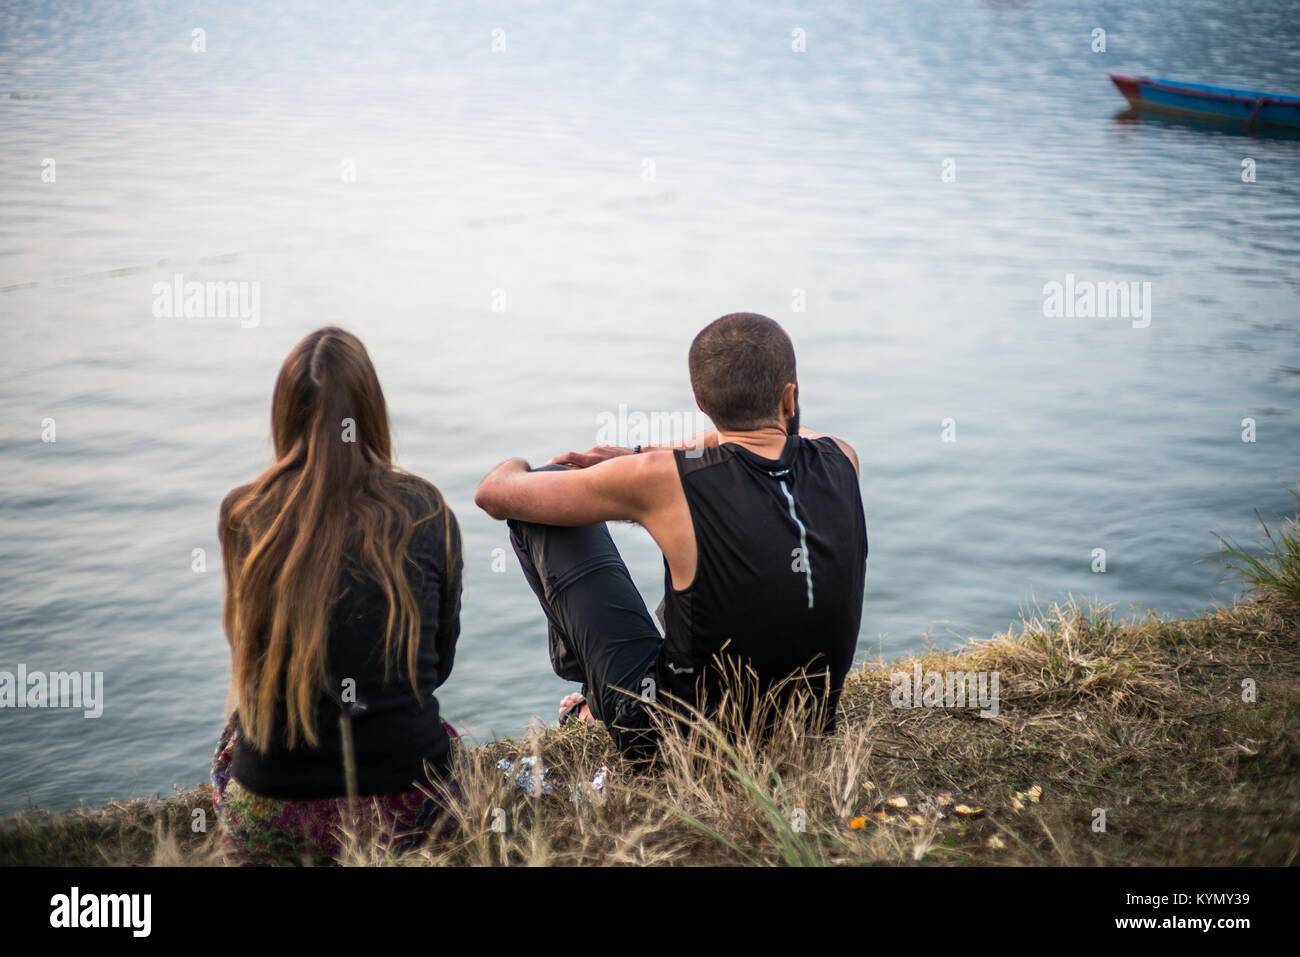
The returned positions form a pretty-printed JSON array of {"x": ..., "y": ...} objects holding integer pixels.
[{"x": 599, "y": 630}]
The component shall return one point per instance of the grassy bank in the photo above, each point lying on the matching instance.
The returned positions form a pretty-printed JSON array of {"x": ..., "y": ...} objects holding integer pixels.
[{"x": 1140, "y": 720}]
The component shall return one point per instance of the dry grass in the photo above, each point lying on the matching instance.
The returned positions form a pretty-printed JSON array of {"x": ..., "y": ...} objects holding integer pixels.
[
  {"x": 1182, "y": 734},
  {"x": 143, "y": 831},
  {"x": 1143, "y": 719}
]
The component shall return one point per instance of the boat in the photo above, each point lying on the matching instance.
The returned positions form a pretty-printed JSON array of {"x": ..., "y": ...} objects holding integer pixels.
[{"x": 1253, "y": 107}]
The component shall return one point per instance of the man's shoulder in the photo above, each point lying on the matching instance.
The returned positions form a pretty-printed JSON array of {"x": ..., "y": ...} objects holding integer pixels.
[
  {"x": 691, "y": 460},
  {"x": 832, "y": 446},
  {"x": 658, "y": 467}
]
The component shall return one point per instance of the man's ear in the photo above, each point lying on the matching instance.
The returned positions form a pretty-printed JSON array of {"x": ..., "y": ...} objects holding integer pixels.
[{"x": 789, "y": 400}]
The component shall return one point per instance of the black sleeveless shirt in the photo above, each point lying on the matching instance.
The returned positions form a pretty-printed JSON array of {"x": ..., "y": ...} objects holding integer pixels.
[{"x": 778, "y": 582}]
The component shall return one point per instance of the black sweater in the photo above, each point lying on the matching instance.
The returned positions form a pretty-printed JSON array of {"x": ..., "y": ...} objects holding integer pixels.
[{"x": 393, "y": 732}]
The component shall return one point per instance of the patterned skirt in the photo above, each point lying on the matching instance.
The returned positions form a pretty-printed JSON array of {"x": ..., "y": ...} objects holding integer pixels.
[{"x": 272, "y": 831}]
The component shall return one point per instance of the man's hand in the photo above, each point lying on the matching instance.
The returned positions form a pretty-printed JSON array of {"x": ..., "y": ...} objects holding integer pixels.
[
  {"x": 601, "y": 453},
  {"x": 593, "y": 456}
]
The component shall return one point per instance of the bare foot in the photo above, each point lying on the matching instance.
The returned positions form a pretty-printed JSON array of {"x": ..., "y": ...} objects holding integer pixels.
[{"x": 584, "y": 714}]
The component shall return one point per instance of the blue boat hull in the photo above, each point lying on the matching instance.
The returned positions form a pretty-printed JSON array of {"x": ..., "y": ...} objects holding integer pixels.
[{"x": 1251, "y": 107}]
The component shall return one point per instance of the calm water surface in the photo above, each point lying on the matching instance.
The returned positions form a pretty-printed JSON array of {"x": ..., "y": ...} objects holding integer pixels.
[{"x": 532, "y": 238}]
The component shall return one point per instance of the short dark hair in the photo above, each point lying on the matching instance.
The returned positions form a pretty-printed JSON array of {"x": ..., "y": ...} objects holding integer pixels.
[{"x": 739, "y": 365}]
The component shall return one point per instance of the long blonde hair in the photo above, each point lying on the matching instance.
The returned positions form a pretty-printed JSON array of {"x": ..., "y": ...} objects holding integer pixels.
[{"x": 332, "y": 490}]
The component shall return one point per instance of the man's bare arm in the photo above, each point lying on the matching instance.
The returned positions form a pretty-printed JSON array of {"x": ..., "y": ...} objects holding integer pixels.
[
  {"x": 600, "y": 453},
  {"x": 702, "y": 440},
  {"x": 624, "y": 488}
]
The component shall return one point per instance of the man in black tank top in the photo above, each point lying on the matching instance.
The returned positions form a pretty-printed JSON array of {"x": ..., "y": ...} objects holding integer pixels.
[{"x": 762, "y": 529}]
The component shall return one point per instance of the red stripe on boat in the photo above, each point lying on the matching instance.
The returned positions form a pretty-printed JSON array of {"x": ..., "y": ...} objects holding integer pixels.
[{"x": 1129, "y": 86}]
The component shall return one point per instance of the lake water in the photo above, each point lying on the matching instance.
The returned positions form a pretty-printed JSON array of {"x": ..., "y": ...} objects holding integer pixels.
[{"x": 527, "y": 238}]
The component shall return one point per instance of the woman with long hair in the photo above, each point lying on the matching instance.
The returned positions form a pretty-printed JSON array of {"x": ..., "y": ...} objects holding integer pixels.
[{"x": 342, "y": 607}]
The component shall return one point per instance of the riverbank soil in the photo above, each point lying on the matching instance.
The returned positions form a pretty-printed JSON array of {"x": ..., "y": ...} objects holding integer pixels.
[{"x": 1140, "y": 742}]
